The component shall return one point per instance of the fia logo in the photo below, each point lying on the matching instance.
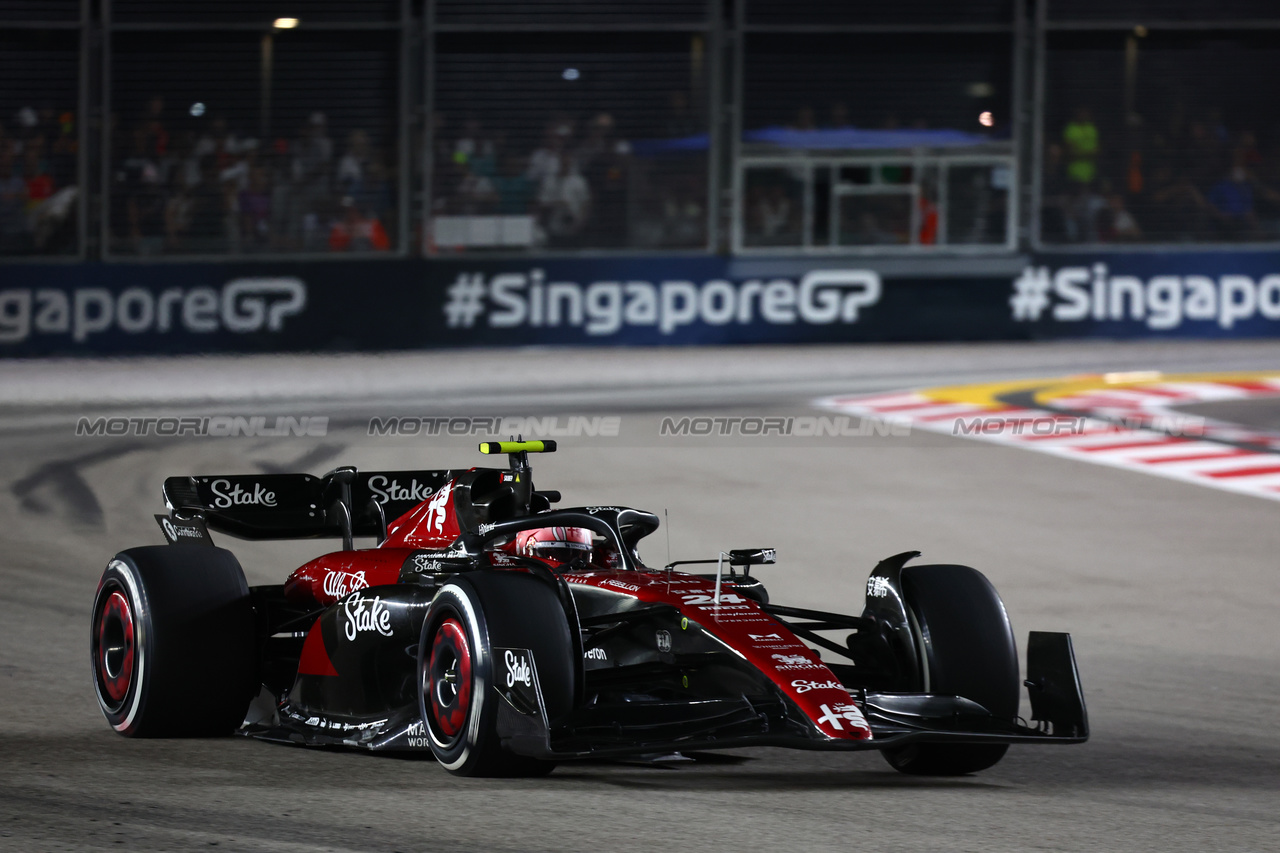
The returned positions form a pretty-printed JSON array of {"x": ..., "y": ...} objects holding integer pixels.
[{"x": 664, "y": 641}]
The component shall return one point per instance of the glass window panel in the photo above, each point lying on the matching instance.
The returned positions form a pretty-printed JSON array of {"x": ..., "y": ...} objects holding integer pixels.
[
  {"x": 67, "y": 11},
  {"x": 500, "y": 13},
  {"x": 875, "y": 219},
  {"x": 878, "y": 12},
  {"x": 253, "y": 11},
  {"x": 977, "y": 206},
  {"x": 904, "y": 90},
  {"x": 1161, "y": 10},
  {"x": 773, "y": 207}
]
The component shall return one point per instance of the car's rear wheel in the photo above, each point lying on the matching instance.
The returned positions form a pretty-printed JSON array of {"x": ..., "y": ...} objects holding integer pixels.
[
  {"x": 967, "y": 649},
  {"x": 172, "y": 642}
]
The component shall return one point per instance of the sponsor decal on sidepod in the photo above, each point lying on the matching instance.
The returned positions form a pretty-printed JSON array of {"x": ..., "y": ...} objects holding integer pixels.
[
  {"x": 341, "y": 584},
  {"x": 365, "y": 615}
]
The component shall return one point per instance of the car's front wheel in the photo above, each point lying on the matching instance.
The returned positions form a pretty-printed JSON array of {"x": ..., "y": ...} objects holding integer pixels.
[
  {"x": 457, "y": 669},
  {"x": 967, "y": 649}
]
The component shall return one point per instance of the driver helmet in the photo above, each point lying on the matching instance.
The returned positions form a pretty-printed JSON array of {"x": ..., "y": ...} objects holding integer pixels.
[{"x": 561, "y": 544}]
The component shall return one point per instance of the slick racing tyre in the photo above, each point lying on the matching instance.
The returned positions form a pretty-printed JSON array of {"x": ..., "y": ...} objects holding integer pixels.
[
  {"x": 967, "y": 650},
  {"x": 458, "y": 672},
  {"x": 172, "y": 643}
]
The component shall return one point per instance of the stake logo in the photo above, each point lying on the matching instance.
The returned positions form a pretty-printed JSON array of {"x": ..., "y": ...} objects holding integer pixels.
[
  {"x": 226, "y": 496},
  {"x": 518, "y": 669},
  {"x": 392, "y": 490},
  {"x": 365, "y": 615},
  {"x": 802, "y": 686}
]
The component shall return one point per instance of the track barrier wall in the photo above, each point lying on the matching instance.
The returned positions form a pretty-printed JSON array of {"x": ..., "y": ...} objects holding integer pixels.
[{"x": 123, "y": 309}]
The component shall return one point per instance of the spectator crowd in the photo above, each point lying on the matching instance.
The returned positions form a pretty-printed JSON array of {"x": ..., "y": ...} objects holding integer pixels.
[
  {"x": 580, "y": 185},
  {"x": 196, "y": 184},
  {"x": 215, "y": 190},
  {"x": 39, "y": 149},
  {"x": 1192, "y": 178},
  {"x": 207, "y": 187}
]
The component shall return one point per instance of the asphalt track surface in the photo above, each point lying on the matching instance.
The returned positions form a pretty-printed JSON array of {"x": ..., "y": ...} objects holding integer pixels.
[{"x": 1169, "y": 590}]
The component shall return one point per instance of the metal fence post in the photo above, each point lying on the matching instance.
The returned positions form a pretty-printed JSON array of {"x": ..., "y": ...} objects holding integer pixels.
[
  {"x": 104, "y": 151},
  {"x": 1040, "y": 53},
  {"x": 82, "y": 133},
  {"x": 715, "y": 98},
  {"x": 428, "y": 118},
  {"x": 735, "y": 144},
  {"x": 405, "y": 108}
]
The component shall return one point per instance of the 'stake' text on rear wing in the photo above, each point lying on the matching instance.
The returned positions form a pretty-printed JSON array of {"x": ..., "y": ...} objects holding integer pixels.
[{"x": 343, "y": 503}]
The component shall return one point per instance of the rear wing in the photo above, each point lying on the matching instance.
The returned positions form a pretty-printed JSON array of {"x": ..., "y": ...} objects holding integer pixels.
[{"x": 343, "y": 503}]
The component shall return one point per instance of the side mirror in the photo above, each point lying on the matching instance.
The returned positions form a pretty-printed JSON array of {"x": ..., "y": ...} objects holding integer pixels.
[{"x": 753, "y": 557}]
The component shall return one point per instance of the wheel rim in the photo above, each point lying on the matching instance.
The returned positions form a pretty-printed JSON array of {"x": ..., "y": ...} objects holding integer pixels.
[
  {"x": 115, "y": 649},
  {"x": 448, "y": 682}
]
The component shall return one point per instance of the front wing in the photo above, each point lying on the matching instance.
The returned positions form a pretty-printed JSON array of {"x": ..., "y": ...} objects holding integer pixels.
[{"x": 769, "y": 719}]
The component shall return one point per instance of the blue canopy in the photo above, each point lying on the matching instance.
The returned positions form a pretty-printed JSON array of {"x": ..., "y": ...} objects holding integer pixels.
[{"x": 845, "y": 138}]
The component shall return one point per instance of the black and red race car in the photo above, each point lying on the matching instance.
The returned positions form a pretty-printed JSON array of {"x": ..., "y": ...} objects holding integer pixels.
[{"x": 504, "y": 635}]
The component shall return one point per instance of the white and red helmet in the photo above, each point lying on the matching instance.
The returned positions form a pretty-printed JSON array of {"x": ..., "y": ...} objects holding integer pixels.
[{"x": 561, "y": 544}]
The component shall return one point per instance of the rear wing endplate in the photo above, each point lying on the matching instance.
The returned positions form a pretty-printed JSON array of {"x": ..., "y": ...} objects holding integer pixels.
[{"x": 343, "y": 503}]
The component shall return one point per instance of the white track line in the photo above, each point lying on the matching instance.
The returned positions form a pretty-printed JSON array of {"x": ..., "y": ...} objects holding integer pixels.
[{"x": 1187, "y": 458}]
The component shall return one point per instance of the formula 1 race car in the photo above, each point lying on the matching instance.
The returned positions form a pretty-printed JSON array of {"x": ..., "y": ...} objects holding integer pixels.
[{"x": 503, "y": 635}]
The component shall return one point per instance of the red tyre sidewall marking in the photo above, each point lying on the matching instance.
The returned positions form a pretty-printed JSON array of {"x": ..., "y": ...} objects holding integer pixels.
[
  {"x": 116, "y": 609},
  {"x": 451, "y": 638}
]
